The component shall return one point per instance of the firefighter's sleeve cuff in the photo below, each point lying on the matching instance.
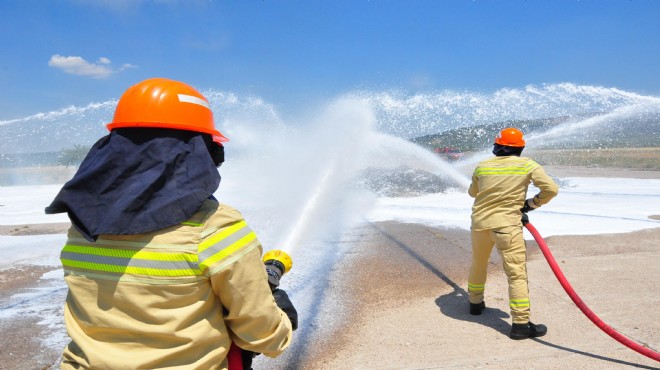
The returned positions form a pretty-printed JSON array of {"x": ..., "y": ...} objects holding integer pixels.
[{"x": 532, "y": 204}]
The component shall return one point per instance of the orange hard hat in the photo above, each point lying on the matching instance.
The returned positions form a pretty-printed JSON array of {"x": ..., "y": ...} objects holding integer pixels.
[
  {"x": 165, "y": 103},
  {"x": 510, "y": 137}
]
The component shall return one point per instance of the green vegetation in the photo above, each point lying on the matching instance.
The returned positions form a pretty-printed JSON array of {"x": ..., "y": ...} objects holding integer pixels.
[
  {"x": 66, "y": 157},
  {"x": 73, "y": 156},
  {"x": 40, "y": 168}
]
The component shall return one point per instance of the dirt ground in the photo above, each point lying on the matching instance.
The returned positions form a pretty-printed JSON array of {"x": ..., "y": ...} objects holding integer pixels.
[
  {"x": 404, "y": 304},
  {"x": 409, "y": 304}
]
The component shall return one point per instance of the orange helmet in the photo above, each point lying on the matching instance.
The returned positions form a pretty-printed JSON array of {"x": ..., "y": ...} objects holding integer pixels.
[
  {"x": 164, "y": 103},
  {"x": 510, "y": 137}
]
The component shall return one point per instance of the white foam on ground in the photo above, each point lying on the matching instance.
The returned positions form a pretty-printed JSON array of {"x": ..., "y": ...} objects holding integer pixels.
[
  {"x": 584, "y": 206},
  {"x": 37, "y": 250},
  {"x": 21, "y": 205}
]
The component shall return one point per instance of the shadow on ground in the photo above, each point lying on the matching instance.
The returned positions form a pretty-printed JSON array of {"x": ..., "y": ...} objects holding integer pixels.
[{"x": 456, "y": 305}]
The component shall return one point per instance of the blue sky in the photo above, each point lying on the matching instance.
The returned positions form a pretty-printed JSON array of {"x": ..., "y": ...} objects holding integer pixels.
[{"x": 293, "y": 53}]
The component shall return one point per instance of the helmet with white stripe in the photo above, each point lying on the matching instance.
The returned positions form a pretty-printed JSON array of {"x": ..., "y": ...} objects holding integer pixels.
[
  {"x": 165, "y": 103},
  {"x": 510, "y": 136}
]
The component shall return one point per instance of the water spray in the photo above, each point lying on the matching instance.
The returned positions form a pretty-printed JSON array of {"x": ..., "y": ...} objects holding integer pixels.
[
  {"x": 582, "y": 306},
  {"x": 439, "y": 166},
  {"x": 310, "y": 206}
]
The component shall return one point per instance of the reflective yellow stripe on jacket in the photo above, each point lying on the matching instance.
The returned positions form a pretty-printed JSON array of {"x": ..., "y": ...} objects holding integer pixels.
[
  {"x": 114, "y": 259},
  {"x": 516, "y": 169},
  {"x": 127, "y": 261},
  {"x": 221, "y": 249}
]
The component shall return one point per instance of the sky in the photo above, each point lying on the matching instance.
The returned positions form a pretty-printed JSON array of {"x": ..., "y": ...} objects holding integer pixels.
[{"x": 54, "y": 54}]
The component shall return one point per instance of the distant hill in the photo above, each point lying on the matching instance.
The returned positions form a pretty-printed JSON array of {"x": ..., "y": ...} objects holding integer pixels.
[
  {"x": 586, "y": 132},
  {"x": 478, "y": 137}
]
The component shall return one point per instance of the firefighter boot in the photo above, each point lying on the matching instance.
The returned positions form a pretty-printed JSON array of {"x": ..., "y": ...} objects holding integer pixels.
[
  {"x": 476, "y": 308},
  {"x": 529, "y": 330}
]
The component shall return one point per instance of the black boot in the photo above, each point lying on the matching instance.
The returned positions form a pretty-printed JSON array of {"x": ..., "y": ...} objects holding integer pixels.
[
  {"x": 529, "y": 330},
  {"x": 476, "y": 308}
]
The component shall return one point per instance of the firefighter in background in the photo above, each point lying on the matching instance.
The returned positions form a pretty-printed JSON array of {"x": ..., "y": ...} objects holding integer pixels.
[
  {"x": 160, "y": 274},
  {"x": 499, "y": 186}
]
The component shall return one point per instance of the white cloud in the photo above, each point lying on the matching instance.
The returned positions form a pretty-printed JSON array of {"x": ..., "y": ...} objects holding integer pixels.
[
  {"x": 78, "y": 66},
  {"x": 126, "y": 66}
]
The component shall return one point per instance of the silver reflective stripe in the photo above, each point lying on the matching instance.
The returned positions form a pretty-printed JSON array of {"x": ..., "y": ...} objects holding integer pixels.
[
  {"x": 132, "y": 262},
  {"x": 194, "y": 100},
  {"x": 224, "y": 243}
]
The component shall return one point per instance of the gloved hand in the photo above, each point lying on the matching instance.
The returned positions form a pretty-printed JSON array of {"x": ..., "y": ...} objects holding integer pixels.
[
  {"x": 529, "y": 206},
  {"x": 247, "y": 357},
  {"x": 525, "y": 219},
  {"x": 284, "y": 303}
]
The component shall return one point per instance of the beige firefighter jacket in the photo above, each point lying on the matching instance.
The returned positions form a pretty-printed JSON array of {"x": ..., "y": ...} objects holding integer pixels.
[
  {"x": 173, "y": 298},
  {"x": 499, "y": 186}
]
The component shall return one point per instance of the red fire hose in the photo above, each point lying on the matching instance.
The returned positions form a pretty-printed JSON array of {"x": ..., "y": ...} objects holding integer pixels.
[
  {"x": 234, "y": 358},
  {"x": 582, "y": 306}
]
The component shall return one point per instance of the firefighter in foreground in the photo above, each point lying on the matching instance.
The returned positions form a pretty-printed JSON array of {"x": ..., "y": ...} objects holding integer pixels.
[
  {"x": 499, "y": 186},
  {"x": 160, "y": 274}
]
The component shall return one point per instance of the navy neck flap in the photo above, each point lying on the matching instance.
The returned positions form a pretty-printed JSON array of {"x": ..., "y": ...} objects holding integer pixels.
[
  {"x": 504, "y": 151},
  {"x": 138, "y": 180}
]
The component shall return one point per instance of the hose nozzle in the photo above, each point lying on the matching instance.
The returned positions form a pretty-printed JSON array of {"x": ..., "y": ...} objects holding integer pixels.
[{"x": 277, "y": 263}]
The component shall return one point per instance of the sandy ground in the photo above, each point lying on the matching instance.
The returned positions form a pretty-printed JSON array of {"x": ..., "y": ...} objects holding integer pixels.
[
  {"x": 402, "y": 292},
  {"x": 409, "y": 305}
]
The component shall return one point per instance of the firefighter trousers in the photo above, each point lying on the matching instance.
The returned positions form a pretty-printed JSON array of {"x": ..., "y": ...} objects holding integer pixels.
[{"x": 511, "y": 247}]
